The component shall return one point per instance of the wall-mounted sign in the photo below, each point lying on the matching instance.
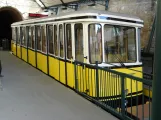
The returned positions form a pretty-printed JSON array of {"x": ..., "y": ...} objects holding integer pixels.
[{"x": 37, "y": 15}]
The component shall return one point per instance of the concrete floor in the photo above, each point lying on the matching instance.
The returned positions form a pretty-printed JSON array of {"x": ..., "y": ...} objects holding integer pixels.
[{"x": 29, "y": 94}]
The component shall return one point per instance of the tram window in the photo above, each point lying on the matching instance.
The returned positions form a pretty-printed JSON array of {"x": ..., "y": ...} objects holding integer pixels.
[
  {"x": 38, "y": 36},
  {"x": 95, "y": 43},
  {"x": 61, "y": 41},
  {"x": 29, "y": 36},
  {"x": 43, "y": 38},
  {"x": 18, "y": 35},
  {"x": 33, "y": 37},
  {"x": 50, "y": 39},
  {"x": 23, "y": 38},
  {"x": 55, "y": 41},
  {"x": 24, "y": 33},
  {"x": 69, "y": 41},
  {"x": 79, "y": 56},
  {"x": 14, "y": 34},
  {"x": 119, "y": 44}
]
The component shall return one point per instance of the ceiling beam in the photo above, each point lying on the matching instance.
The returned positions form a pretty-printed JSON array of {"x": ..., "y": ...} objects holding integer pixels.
[
  {"x": 40, "y": 3},
  {"x": 63, "y": 3}
]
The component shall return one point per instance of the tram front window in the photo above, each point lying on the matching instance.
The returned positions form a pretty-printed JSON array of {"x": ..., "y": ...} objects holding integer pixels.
[
  {"x": 95, "y": 43},
  {"x": 119, "y": 44}
]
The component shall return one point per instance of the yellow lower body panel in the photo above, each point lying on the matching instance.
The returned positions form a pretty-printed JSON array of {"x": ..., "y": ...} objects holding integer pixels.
[
  {"x": 18, "y": 51},
  {"x": 39, "y": 63},
  {"x": 31, "y": 57},
  {"x": 56, "y": 69},
  {"x": 136, "y": 86},
  {"x": 51, "y": 66},
  {"x": 62, "y": 72},
  {"x": 108, "y": 84},
  {"x": 24, "y": 54},
  {"x": 70, "y": 75},
  {"x": 148, "y": 92},
  {"x": 14, "y": 48},
  {"x": 42, "y": 62}
]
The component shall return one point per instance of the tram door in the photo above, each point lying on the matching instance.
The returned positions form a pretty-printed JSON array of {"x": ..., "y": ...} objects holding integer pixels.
[
  {"x": 75, "y": 50},
  {"x": 79, "y": 56},
  {"x": 62, "y": 61},
  {"x": 69, "y": 39}
]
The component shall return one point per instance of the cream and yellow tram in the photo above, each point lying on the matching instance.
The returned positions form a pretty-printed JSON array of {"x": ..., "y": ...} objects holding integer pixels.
[{"x": 52, "y": 44}]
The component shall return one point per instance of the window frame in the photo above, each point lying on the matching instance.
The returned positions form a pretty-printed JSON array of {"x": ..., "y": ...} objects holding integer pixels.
[
  {"x": 58, "y": 36},
  {"x": 27, "y": 35},
  {"x": 55, "y": 34},
  {"x": 135, "y": 35},
  {"x": 18, "y": 36},
  {"x": 75, "y": 39},
  {"x": 102, "y": 37},
  {"x": 24, "y": 35},
  {"x": 66, "y": 45},
  {"x": 14, "y": 38},
  {"x": 36, "y": 36},
  {"x": 48, "y": 40},
  {"x": 41, "y": 33}
]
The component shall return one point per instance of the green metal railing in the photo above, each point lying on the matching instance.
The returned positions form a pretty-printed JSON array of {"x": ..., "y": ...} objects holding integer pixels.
[{"x": 118, "y": 93}]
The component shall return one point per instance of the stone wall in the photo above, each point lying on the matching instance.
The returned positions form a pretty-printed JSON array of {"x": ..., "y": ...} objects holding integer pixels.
[{"x": 145, "y": 9}]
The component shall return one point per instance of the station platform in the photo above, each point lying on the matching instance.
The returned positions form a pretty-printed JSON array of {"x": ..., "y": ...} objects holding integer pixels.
[{"x": 29, "y": 94}]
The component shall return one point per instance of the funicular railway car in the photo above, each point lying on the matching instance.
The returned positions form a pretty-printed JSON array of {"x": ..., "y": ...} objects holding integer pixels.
[{"x": 54, "y": 43}]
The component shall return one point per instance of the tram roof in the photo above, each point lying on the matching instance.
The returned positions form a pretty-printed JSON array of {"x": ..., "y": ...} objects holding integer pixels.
[{"x": 80, "y": 13}]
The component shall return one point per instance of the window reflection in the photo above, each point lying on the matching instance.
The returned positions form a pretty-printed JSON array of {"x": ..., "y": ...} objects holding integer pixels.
[
  {"x": 119, "y": 44},
  {"x": 18, "y": 35},
  {"x": 55, "y": 41},
  {"x": 79, "y": 56},
  {"x": 38, "y": 36},
  {"x": 43, "y": 38},
  {"x": 50, "y": 39},
  {"x": 95, "y": 42},
  {"x": 61, "y": 41},
  {"x": 69, "y": 41}
]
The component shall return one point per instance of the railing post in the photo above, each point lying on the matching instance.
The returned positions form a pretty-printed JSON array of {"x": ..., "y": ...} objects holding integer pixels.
[
  {"x": 122, "y": 97},
  {"x": 75, "y": 74},
  {"x": 97, "y": 83},
  {"x": 156, "y": 86}
]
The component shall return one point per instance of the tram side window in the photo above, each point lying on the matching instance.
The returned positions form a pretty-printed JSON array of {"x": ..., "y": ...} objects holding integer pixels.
[
  {"x": 95, "y": 43},
  {"x": 43, "y": 38},
  {"x": 23, "y": 38},
  {"x": 61, "y": 40},
  {"x": 29, "y": 36},
  {"x": 18, "y": 36},
  {"x": 79, "y": 56},
  {"x": 14, "y": 34},
  {"x": 56, "y": 41},
  {"x": 38, "y": 36},
  {"x": 50, "y": 39},
  {"x": 33, "y": 37},
  {"x": 69, "y": 41}
]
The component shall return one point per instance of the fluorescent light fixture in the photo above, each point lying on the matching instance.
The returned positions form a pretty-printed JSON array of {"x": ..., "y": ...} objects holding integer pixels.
[{"x": 40, "y": 3}]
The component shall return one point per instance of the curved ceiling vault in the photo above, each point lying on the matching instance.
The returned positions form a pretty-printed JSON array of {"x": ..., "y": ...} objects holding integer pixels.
[{"x": 8, "y": 15}]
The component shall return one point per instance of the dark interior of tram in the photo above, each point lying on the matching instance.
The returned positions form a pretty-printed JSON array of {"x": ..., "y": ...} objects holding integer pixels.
[{"x": 8, "y": 15}]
